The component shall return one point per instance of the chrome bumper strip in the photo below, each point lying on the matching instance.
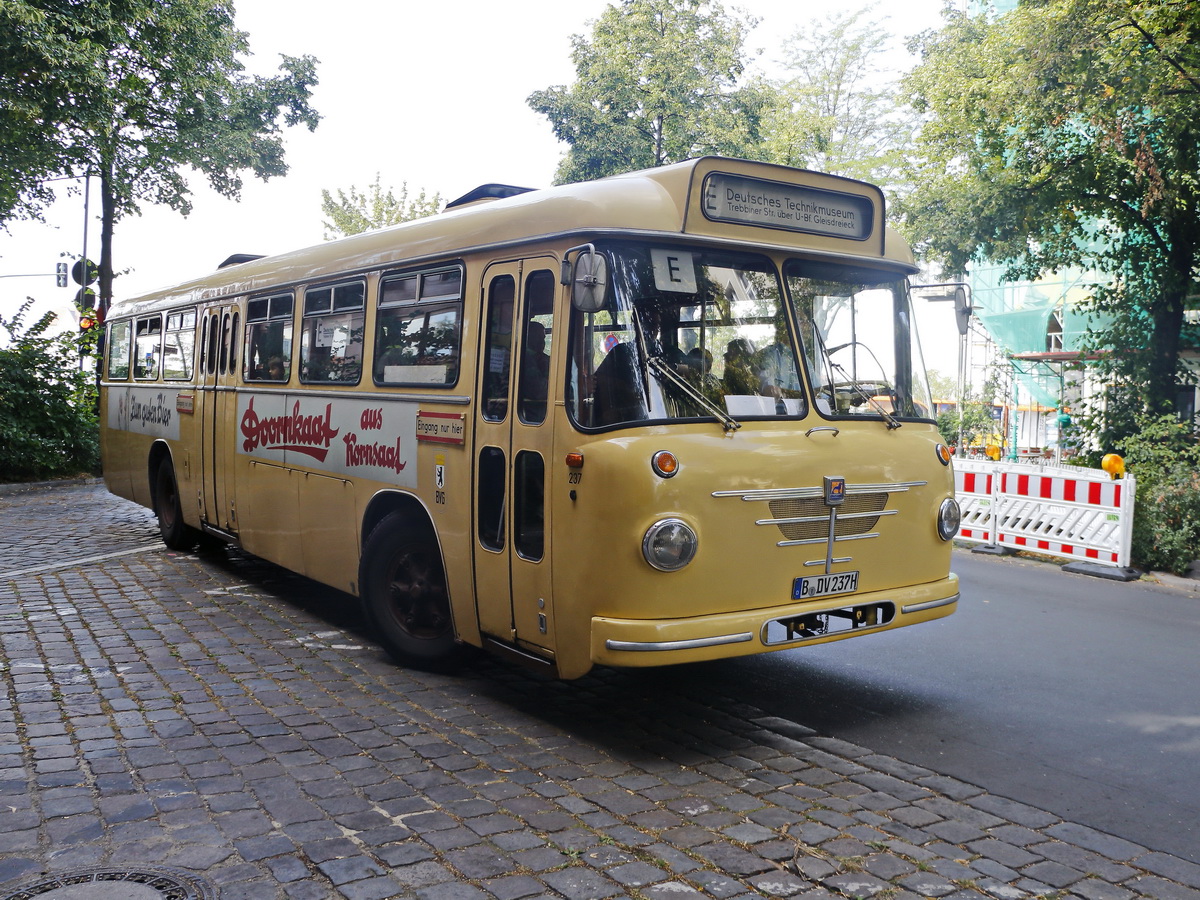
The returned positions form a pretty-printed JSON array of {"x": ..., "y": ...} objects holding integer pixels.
[
  {"x": 932, "y": 604},
  {"x": 695, "y": 643}
]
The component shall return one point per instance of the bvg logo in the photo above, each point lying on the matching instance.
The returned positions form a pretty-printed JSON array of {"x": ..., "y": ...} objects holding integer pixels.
[{"x": 835, "y": 490}]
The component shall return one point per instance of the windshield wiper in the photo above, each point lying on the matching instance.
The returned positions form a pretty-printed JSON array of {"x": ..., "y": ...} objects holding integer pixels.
[
  {"x": 888, "y": 418},
  {"x": 660, "y": 368}
]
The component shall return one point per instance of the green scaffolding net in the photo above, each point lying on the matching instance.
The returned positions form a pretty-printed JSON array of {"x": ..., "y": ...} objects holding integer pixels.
[{"x": 1034, "y": 319}]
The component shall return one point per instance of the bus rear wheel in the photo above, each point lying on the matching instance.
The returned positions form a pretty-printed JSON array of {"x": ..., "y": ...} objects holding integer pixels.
[
  {"x": 176, "y": 534},
  {"x": 405, "y": 598}
]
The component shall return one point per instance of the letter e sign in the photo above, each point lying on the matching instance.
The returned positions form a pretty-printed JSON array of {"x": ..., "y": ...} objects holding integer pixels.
[{"x": 674, "y": 270}]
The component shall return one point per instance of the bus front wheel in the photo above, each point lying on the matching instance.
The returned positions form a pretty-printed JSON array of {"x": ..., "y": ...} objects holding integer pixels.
[
  {"x": 405, "y": 598},
  {"x": 176, "y": 534}
]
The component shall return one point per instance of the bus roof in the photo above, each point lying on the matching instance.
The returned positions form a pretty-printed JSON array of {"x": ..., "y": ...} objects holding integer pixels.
[{"x": 711, "y": 198}]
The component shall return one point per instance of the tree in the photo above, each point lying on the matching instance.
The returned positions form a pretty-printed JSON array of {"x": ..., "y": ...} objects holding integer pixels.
[
  {"x": 357, "y": 212},
  {"x": 47, "y": 404},
  {"x": 134, "y": 92},
  {"x": 839, "y": 111},
  {"x": 656, "y": 83},
  {"x": 1067, "y": 132}
]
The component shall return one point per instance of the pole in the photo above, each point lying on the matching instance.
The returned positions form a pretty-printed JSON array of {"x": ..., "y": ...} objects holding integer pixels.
[{"x": 84, "y": 267}]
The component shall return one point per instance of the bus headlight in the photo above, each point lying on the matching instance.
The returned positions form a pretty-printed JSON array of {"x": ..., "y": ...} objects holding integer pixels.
[
  {"x": 949, "y": 518},
  {"x": 669, "y": 545}
]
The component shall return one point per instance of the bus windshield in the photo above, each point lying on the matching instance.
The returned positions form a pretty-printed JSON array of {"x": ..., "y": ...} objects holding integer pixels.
[
  {"x": 686, "y": 333},
  {"x": 861, "y": 349},
  {"x": 689, "y": 332}
]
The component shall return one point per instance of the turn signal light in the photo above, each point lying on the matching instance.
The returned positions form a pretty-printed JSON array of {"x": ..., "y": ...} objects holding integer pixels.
[
  {"x": 575, "y": 460},
  {"x": 943, "y": 454},
  {"x": 664, "y": 463}
]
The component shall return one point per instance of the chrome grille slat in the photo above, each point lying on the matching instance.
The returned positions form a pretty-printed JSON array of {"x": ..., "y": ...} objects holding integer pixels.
[
  {"x": 802, "y": 517},
  {"x": 825, "y": 519}
]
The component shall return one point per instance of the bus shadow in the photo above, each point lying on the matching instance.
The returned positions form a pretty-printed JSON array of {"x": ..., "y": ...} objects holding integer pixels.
[
  {"x": 689, "y": 713},
  {"x": 336, "y": 608}
]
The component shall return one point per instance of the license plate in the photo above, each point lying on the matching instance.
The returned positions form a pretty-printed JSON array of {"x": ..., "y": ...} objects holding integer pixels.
[{"x": 824, "y": 585}]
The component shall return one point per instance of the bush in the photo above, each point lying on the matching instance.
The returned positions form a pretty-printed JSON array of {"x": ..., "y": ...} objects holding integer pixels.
[
  {"x": 48, "y": 422},
  {"x": 1165, "y": 457}
]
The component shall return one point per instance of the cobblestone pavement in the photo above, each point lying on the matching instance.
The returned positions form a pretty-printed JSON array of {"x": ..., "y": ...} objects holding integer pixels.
[{"x": 213, "y": 715}]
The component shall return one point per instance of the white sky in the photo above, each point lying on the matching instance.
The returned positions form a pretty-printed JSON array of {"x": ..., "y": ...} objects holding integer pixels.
[{"x": 428, "y": 93}]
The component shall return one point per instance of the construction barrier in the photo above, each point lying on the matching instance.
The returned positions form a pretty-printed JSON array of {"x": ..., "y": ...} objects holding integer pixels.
[{"x": 1063, "y": 511}]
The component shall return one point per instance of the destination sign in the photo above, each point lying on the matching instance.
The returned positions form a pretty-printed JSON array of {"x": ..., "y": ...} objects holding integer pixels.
[{"x": 773, "y": 204}]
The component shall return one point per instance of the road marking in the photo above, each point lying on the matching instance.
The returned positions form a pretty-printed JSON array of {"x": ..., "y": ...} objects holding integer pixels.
[{"x": 71, "y": 563}]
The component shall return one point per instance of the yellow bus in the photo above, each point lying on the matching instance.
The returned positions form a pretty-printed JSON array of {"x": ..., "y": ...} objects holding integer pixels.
[{"x": 669, "y": 416}]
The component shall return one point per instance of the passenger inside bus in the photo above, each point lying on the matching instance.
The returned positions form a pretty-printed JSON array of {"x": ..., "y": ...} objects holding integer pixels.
[
  {"x": 535, "y": 374},
  {"x": 620, "y": 393},
  {"x": 740, "y": 375}
]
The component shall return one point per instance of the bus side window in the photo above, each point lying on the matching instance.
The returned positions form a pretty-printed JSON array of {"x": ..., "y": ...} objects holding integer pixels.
[
  {"x": 233, "y": 343},
  {"x": 491, "y": 498},
  {"x": 498, "y": 358},
  {"x": 268, "y": 355},
  {"x": 417, "y": 330},
  {"x": 147, "y": 348},
  {"x": 118, "y": 351},
  {"x": 331, "y": 344},
  {"x": 536, "y": 329},
  {"x": 226, "y": 340},
  {"x": 210, "y": 354},
  {"x": 179, "y": 342}
]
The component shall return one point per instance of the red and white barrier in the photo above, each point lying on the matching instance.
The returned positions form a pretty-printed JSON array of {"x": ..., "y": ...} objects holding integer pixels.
[{"x": 1057, "y": 510}]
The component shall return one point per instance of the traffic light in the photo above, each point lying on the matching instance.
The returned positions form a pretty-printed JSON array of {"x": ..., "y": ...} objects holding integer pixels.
[
  {"x": 85, "y": 303},
  {"x": 60, "y": 272}
]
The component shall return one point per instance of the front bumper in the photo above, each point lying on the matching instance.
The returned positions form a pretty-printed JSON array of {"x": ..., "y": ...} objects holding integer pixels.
[{"x": 658, "y": 642}]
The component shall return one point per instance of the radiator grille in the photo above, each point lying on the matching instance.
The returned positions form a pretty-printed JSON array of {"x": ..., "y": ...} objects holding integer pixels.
[{"x": 807, "y": 518}]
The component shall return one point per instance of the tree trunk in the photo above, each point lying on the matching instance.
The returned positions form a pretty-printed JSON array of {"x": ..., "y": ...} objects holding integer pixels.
[
  {"x": 1183, "y": 239},
  {"x": 108, "y": 215}
]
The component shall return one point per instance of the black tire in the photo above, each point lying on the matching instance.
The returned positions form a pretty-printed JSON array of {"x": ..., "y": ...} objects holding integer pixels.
[
  {"x": 405, "y": 599},
  {"x": 176, "y": 534}
]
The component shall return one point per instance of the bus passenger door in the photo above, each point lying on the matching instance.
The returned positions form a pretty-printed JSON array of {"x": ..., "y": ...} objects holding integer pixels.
[
  {"x": 219, "y": 362},
  {"x": 513, "y": 441}
]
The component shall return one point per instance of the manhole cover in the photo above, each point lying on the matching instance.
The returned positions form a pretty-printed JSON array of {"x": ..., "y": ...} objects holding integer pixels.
[{"x": 116, "y": 884}]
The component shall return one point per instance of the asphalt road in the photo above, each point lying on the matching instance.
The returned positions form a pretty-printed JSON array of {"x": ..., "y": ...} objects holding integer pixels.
[{"x": 1067, "y": 692}]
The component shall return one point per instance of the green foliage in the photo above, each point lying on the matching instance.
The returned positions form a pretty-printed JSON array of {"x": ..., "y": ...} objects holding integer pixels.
[
  {"x": 134, "y": 94},
  {"x": 973, "y": 419},
  {"x": 47, "y": 404},
  {"x": 356, "y": 212},
  {"x": 1164, "y": 456},
  {"x": 1064, "y": 133},
  {"x": 657, "y": 82},
  {"x": 839, "y": 111}
]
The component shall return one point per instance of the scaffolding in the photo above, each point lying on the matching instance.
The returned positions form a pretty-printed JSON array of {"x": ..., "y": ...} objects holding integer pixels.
[{"x": 1039, "y": 328}]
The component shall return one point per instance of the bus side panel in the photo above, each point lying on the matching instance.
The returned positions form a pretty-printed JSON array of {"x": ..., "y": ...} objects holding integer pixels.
[
  {"x": 269, "y": 512},
  {"x": 327, "y": 518},
  {"x": 134, "y": 418},
  {"x": 116, "y": 448}
]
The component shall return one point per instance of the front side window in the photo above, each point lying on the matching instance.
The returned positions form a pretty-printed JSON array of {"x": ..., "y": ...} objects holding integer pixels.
[
  {"x": 860, "y": 344},
  {"x": 686, "y": 333},
  {"x": 331, "y": 346},
  {"x": 118, "y": 351},
  {"x": 418, "y": 328},
  {"x": 147, "y": 347},
  {"x": 268, "y": 354},
  {"x": 179, "y": 342}
]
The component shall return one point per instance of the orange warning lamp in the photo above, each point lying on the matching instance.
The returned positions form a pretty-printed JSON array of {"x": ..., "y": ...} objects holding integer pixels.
[{"x": 1113, "y": 464}]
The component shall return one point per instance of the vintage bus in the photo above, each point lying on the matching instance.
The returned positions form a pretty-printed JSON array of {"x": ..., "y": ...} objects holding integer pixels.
[{"x": 669, "y": 416}]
